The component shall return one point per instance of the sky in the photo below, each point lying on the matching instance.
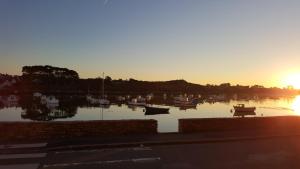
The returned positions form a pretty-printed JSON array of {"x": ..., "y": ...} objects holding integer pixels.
[{"x": 202, "y": 41}]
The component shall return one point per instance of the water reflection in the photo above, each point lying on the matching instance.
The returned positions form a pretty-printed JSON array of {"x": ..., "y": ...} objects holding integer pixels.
[
  {"x": 40, "y": 112},
  {"x": 296, "y": 105},
  {"x": 35, "y": 108},
  {"x": 243, "y": 114}
]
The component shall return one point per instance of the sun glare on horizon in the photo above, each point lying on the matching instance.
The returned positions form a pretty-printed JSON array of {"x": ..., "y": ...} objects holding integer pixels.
[{"x": 293, "y": 80}]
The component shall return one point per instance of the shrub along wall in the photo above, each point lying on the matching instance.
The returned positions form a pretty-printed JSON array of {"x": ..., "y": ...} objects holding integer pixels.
[
  {"x": 281, "y": 123},
  {"x": 51, "y": 130}
]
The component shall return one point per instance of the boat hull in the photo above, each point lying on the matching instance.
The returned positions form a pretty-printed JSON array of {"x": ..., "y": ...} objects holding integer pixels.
[
  {"x": 156, "y": 110},
  {"x": 244, "y": 109}
]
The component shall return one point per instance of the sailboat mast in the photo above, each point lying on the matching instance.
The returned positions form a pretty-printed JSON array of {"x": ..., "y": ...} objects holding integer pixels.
[{"x": 103, "y": 85}]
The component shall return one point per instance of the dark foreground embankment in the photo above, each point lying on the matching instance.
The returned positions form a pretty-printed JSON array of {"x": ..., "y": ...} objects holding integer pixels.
[
  {"x": 53, "y": 130},
  {"x": 280, "y": 124},
  {"x": 146, "y": 130}
]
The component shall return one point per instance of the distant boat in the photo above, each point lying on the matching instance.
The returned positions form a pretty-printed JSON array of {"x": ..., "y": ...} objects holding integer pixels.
[
  {"x": 120, "y": 98},
  {"x": 216, "y": 98},
  {"x": 37, "y": 94},
  {"x": 153, "y": 110},
  {"x": 51, "y": 100},
  {"x": 141, "y": 99},
  {"x": 12, "y": 98},
  {"x": 92, "y": 100},
  {"x": 185, "y": 101},
  {"x": 243, "y": 108},
  {"x": 149, "y": 97},
  {"x": 103, "y": 101},
  {"x": 135, "y": 102}
]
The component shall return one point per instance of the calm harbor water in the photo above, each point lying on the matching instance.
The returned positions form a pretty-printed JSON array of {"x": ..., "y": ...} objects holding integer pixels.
[{"x": 166, "y": 122}]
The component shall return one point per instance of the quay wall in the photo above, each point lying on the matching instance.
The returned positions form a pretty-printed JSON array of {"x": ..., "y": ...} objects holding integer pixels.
[
  {"x": 275, "y": 124},
  {"x": 63, "y": 129}
]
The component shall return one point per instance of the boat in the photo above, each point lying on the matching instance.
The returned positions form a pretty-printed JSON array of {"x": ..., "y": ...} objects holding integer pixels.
[
  {"x": 135, "y": 102},
  {"x": 92, "y": 100},
  {"x": 141, "y": 99},
  {"x": 12, "y": 98},
  {"x": 51, "y": 100},
  {"x": 149, "y": 97},
  {"x": 243, "y": 114},
  {"x": 165, "y": 96},
  {"x": 216, "y": 98},
  {"x": 120, "y": 98},
  {"x": 243, "y": 108},
  {"x": 181, "y": 100},
  {"x": 103, "y": 100},
  {"x": 43, "y": 99},
  {"x": 185, "y": 101},
  {"x": 153, "y": 110},
  {"x": 37, "y": 94}
]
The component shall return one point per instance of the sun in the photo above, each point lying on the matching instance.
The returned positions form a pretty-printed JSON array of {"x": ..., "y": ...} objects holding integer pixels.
[{"x": 293, "y": 80}]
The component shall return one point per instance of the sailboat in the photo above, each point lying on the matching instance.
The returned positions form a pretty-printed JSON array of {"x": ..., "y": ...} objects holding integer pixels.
[{"x": 102, "y": 100}]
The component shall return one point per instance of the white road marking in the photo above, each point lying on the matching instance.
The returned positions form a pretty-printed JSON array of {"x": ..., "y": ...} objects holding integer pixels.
[
  {"x": 136, "y": 160},
  {"x": 36, "y": 145},
  {"x": 103, "y": 150},
  {"x": 141, "y": 160},
  {"x": 20, "y": 166},
  {"x": 16, "y": 156}
]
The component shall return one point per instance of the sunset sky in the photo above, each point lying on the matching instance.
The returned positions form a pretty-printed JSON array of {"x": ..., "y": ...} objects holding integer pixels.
[{"x": 201, "y": 41}]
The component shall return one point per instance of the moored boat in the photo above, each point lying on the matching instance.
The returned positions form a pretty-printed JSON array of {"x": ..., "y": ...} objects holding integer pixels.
[
  {"x": 243, "y": 108},
  {"x": 185, "y": 101},
  {"x": 135, "y": 102},
  {"x": 152, "y": 110},
  {"x": 103, "y": 100},
  {"x": 51, "y": 100}
]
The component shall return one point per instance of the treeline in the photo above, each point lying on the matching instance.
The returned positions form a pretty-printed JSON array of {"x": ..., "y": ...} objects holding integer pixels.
[
  {"x": 49, "y": 72},
  {"x": 49, "y": 79}
]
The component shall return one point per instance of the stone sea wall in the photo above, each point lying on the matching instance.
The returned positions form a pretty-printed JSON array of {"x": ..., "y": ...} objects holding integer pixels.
[
  {"x": 52, "y": 130},
  {"x": 280, "y": 124}
]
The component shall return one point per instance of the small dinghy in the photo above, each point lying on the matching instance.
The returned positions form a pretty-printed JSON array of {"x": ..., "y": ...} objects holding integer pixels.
[{"x": 153, "y": 110}]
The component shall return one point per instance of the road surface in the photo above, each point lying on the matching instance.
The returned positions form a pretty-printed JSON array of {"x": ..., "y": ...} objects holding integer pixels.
[{"x": 273, "y": 153}]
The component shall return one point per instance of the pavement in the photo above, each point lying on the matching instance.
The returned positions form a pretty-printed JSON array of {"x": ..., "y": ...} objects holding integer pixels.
[{"x": 251, "y": 149}]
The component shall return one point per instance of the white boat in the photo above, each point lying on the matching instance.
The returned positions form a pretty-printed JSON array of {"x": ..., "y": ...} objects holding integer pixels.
[
  {"x": 182, "y": 100},
  {"x": 120, "y": 98},
  {"x": 141, "y": 99},
  {"x": 92, "y": 100},
  {"x": 37, "y": 94},
  {"x": 51, "y": 100},
  {"x": 103, "y": 100},
  {"x": 43, "y": 99},
  {"x": 191, "y": 96},
  {"x": 149, "y": 97},
  {"x": 12, "y": 98},
  {"x": 216, "y": 98},
  {"x": 165, "y": 96},
  {"x": 135, "y": 102}
]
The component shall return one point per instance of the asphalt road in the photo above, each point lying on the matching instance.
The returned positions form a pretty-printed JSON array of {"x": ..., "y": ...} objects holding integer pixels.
[{"x": 275, "y": 153}]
